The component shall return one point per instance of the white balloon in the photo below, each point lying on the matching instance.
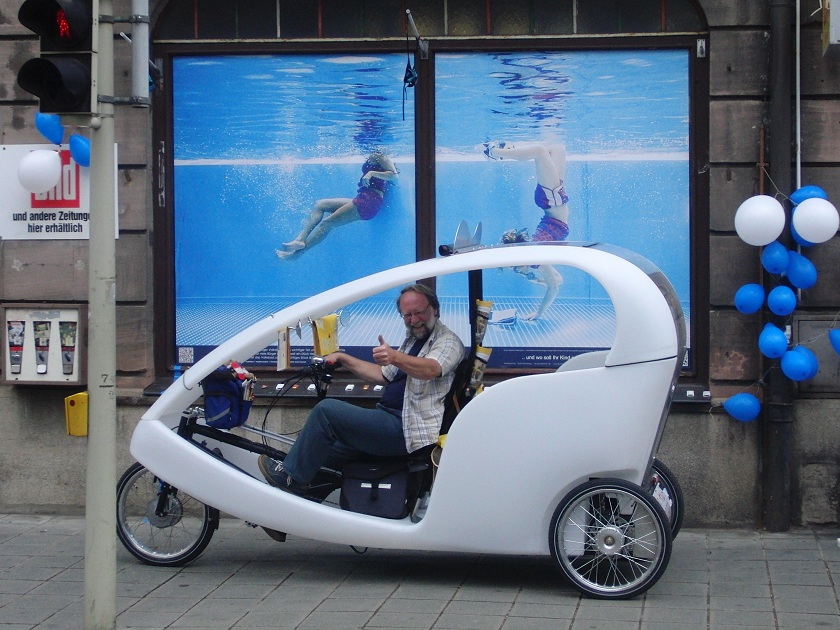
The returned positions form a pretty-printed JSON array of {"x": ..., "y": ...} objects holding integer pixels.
[
  {"x": 816, "y": 220},
  {"x": 760, "y": 220},
  {"x": 40, "y": 171}
]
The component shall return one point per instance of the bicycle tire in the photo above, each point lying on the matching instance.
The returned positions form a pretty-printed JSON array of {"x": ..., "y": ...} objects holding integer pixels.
[
  {"x": 610, "y": 538},
  {"x": 667, "y": 490},
  {"x": 173, "y": 538}
]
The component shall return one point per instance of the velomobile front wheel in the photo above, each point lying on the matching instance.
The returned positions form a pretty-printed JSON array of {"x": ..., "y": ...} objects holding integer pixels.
[
  {"x": 610, "y": 538},
  {"x": 159, "y": 524}
]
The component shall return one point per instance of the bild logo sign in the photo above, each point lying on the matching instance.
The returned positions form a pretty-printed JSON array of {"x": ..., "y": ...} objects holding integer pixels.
[
  {"x": 61, "y": 213},
  {"x": 67, "y": 193}
]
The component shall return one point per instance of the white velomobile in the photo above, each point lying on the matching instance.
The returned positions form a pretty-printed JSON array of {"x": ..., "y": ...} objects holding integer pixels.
[{"x": 549, "y": 464}]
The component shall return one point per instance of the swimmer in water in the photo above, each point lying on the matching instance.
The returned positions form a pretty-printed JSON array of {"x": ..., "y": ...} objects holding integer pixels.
[
  {"x": 378, "y": 174},
  {"x": 551, "y": 197}
]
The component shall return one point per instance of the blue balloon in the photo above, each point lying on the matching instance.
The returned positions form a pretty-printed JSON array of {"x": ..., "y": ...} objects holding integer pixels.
[
  {"x": 798, "y": 238},
  {"x": 811, "y": 360},
  {"x": 795, "y": 365},
  {"x": 834, "y": 338},
  {"x": 744, "y": 407},
  {"x": 80, "y": 149},
  {"x": 50, "y": 127},
  {"x": 801, "y": 271},
  {"x": 807, "y": 192},
  {"x": 781, "y": 300},
  {"x": 772, "y": 342},
  {"x": 749, "y": 298},
  {"x": 775, "y": 258}
]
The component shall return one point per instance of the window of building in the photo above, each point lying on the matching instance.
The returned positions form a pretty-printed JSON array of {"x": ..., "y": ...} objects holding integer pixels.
[{"x": 264, "y": 134}]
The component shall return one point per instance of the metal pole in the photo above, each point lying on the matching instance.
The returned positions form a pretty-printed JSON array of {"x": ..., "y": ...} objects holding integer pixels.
[
  {"x": 778, "y": 413},
  {"x": 100, "y": 518},
  {"x": 140, "y": 51}
]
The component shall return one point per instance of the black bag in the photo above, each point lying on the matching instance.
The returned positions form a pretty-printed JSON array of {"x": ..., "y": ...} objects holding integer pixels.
[
  {"x": 378, "y": 488},
  {"x": 228, "y": 395},
  {"x": 459, "y": 393}
]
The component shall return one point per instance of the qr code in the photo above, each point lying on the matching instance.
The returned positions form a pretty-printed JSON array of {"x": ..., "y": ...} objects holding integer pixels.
[{"x": 186, "y": 354}]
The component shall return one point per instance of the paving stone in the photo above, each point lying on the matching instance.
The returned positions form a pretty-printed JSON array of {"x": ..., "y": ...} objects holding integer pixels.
[{"x": 716, "y": 580}]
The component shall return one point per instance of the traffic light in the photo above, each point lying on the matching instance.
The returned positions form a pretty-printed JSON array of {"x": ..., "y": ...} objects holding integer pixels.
[{"x": 64, "y": 76}]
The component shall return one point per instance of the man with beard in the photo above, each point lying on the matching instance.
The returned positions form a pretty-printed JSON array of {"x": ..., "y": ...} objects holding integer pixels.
[{"x": 417, "y": 377}]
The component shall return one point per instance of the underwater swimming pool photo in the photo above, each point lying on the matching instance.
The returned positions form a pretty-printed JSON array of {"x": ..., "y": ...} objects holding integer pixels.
[{"x": 251, "y": 162}]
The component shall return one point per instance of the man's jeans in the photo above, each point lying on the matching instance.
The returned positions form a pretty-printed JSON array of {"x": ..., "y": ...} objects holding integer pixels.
[{"x": 337, "y": 429}]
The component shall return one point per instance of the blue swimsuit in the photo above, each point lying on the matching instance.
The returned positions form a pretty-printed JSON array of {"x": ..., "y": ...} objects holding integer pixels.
[{"x": 546, "y": 198}]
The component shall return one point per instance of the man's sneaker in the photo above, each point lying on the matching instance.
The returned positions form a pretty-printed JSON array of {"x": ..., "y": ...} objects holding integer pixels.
[{"x": 275, "y": 474}]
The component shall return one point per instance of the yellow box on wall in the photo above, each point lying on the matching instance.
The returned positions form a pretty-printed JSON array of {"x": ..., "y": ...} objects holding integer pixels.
[{"x": 76, "y": 414}]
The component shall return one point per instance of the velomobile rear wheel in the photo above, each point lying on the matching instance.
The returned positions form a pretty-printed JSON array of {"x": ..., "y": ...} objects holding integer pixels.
[
  {"x": 666, "y": 489},
  {"x": 610, "y": 538},
  {"x": 159, "y": 524}
]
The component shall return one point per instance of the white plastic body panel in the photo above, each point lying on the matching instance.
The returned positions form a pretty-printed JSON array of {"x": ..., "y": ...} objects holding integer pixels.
[{"x": 513, "y": 452}]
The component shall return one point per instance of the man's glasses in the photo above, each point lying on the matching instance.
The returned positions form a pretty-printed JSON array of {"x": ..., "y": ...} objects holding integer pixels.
[{"x": 418, "y": 314}]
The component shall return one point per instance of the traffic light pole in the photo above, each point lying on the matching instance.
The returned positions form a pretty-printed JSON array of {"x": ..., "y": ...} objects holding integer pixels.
[{"x": 100, "y": 517}]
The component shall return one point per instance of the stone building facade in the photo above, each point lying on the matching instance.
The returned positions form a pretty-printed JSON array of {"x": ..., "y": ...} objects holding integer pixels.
[{"x": 723, "y": 465}]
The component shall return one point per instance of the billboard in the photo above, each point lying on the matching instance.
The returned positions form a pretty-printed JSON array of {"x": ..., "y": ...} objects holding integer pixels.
[
  {"x": 575, "y": 146},
  {"x": 294, "y": 173}
]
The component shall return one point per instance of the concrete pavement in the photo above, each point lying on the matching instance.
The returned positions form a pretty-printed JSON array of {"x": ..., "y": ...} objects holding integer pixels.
[{"x": 716, "y": 579}]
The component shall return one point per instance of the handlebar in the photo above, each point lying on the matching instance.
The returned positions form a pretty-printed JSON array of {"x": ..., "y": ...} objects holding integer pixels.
[
  {"x": 320, "y": 369},
  {"x": 321, "y": 372}
]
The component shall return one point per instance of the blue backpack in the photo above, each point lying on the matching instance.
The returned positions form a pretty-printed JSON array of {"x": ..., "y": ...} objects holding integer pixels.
[{"x": 228, "y": 396}]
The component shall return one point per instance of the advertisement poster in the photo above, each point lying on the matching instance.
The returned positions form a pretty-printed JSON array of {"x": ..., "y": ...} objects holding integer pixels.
[
  {"x": 274, "y": 201},
  {"x": 275, "y": 193},
  {"x": 60, "y": 213},
  {"x": 579, "y": 146}
]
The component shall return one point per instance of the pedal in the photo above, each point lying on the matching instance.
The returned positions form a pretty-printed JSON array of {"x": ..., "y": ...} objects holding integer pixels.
[{"x": 275, "y": 535}]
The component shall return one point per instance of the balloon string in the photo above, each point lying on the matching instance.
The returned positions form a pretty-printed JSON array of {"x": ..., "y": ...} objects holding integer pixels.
[
  {"x": 778, "y": 192},
  {"x": 819, "y": 335}
]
